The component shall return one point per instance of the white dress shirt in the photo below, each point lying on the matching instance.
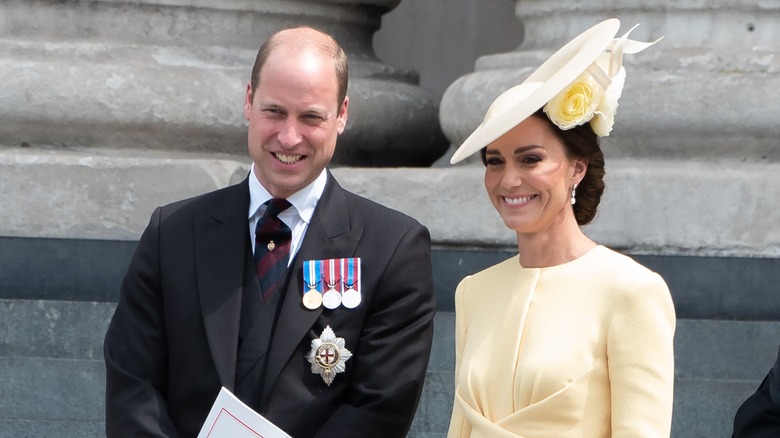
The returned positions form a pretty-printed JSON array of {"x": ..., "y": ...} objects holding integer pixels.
[{"x": 296, "y": 217}]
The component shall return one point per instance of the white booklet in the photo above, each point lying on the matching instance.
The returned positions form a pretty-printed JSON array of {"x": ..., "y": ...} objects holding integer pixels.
[{"x": 231, "y": 418}]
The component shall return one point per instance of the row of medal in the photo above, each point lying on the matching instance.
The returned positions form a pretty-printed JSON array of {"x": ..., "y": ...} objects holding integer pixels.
[{"x": 331, "y": 283}]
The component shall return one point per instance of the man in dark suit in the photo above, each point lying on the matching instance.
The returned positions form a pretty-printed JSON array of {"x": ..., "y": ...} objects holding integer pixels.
[
  {"x": 759, "y": 414},
  {"x": 192, "y": 316}
]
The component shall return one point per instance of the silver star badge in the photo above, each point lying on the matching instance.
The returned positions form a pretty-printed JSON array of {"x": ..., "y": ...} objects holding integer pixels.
[{"x": 328, "y": 355}]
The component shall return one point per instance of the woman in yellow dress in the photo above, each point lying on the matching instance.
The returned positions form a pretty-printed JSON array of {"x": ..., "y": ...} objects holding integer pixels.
[{"x": 568, "y": 338}]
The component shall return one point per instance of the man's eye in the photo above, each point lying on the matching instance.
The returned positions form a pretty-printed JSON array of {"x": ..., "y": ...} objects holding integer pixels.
[{"x": 312, "y": 118}]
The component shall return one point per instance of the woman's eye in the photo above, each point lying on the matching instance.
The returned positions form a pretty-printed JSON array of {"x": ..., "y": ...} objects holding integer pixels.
[{"x": 531, "y": 159}]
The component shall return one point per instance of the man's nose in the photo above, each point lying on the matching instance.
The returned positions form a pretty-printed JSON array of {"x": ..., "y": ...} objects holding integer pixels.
[{"x": 289, "y": 135}]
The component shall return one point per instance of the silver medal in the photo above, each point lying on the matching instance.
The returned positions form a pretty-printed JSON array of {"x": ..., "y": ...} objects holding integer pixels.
[
  {"x": 331, "y": 299},
  {"x": 351, "y": 298}
]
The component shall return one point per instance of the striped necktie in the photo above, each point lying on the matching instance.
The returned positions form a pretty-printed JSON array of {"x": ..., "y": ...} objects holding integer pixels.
[{"x": 272, "y": 247}]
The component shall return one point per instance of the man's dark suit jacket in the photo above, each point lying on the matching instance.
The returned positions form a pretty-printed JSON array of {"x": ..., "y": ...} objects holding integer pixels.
[
  {"x": 176, "y": 337},
  {"x": 759, "y": 415}
]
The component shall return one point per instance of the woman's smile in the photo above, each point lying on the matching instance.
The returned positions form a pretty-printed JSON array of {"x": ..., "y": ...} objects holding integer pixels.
[{"x": 515, "y": 201}]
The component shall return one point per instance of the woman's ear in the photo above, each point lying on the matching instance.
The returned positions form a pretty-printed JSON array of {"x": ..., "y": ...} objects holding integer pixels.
[{"x": 579, "y": 167}]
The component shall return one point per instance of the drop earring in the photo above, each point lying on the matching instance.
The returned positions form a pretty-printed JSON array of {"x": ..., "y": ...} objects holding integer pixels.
[{"x": 573, "y": 194}]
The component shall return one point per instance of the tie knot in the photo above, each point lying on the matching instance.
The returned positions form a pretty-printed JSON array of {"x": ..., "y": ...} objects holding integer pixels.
[{"x": 274, "y": 206}]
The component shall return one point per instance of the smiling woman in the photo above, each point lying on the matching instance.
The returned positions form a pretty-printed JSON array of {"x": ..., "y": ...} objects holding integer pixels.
[
  {"x": 547, "y": 342},
  {"x": 529, "y": 185},
  {"x": 581, "y": 143}
]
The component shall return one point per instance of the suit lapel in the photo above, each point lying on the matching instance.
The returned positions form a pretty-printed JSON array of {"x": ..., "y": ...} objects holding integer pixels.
[
  {"x": 329, "y": 235},
  {"x": 220, "y": 251}
]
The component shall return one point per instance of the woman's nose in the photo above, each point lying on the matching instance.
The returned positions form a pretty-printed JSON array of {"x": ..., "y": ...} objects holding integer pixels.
[{"x": 511, "y": 179}]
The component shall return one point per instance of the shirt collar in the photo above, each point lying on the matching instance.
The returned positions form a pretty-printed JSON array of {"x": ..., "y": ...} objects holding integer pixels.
[{"x": 304, "y": 200}]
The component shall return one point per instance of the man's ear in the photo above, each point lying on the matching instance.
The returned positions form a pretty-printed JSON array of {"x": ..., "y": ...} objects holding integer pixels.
[
  {"x": 341, "y": 122},
  {"x": 248, "y": 101}
]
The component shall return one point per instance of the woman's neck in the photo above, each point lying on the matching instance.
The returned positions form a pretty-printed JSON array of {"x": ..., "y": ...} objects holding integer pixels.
[{"x": 554, "y": 246}]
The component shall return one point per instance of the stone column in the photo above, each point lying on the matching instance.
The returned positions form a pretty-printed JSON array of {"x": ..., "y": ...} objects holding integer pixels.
[
  {"x": 169, "y": 76},
  {"x": 696, "y": 129}
]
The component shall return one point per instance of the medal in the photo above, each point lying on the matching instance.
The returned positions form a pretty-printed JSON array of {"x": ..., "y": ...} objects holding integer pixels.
[
  {"x": 271, "y": 245},
  {"x": 312, "y": 300},
  {"x": 328, "y": 355},
  {"x": 351, "y": 297},
  {"x": 331, "y": 298},
  {"x": 312, "y": 297}
]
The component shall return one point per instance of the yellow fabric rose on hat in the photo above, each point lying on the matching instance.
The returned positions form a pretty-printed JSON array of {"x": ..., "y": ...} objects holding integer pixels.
[{"x": 576, "y": 104}]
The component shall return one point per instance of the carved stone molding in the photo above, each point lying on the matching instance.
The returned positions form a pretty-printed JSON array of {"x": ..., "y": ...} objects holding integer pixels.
[
  {"x": 170, "y": 75},
  {"x": 704, "y": 92}
]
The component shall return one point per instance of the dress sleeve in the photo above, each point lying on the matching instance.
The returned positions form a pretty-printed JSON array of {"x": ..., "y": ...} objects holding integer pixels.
[
  {"x": 458, "y": 426},
  {"x": 640, "y": 355}
]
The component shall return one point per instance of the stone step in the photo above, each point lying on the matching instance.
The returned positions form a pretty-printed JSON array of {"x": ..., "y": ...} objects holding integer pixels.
[
  {"x": 52, "y": 369},
  {"x": 53, "y": 329},
  {"x": 718, "y": 364},
  {"x": 662, "y": 207},
  {"x": 742, "y": 350},
  {"x": 705, "y": 408},
  {"x": 729, "y": 288},
  {"x": 53, "y": 390},
  {"x": 66, "y": 395},
  {"x": 413, "y": 434},
  {"x": 435, "y": 407},
  {"x": 725, "y": 350},
  {"x": 47, "y": 428}
]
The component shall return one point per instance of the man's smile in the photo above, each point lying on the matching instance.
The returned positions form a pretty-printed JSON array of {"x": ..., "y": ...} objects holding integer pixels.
[{"x": 288, "y": 159}]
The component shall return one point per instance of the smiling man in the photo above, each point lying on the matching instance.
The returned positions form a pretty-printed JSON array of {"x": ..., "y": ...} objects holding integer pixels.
[
  {"x": 313, "y": 305},
  {"x": 296, "y": 105}
]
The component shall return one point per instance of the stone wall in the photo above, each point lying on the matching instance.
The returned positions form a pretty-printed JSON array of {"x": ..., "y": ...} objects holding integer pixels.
[{"x": 73, "y": 209}]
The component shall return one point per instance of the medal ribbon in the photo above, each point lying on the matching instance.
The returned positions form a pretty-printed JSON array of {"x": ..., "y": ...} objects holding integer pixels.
[
  {"x": 342, "y": 263},
  {"x": 312, "y": 270},
  {"x": 320, "y": 264},
  {"x": 356, "y": 270},
  {"x": 351, "y": 280},
  {"x": 330, "y": 274}
]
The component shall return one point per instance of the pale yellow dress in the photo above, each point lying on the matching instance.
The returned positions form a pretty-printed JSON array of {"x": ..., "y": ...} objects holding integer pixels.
[{"x": 582, "y": 349}]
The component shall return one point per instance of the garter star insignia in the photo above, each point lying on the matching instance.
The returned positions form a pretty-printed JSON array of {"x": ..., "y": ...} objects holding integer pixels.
[{"x": 328, "y": 355}]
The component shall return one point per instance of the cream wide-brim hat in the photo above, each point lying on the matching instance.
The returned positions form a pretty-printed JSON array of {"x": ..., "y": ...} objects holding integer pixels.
[{"x": 553, "y": 76}]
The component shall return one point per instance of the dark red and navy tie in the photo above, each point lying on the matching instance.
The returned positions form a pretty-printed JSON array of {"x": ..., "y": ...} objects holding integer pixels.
[{"x": 272, "y": 247}]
